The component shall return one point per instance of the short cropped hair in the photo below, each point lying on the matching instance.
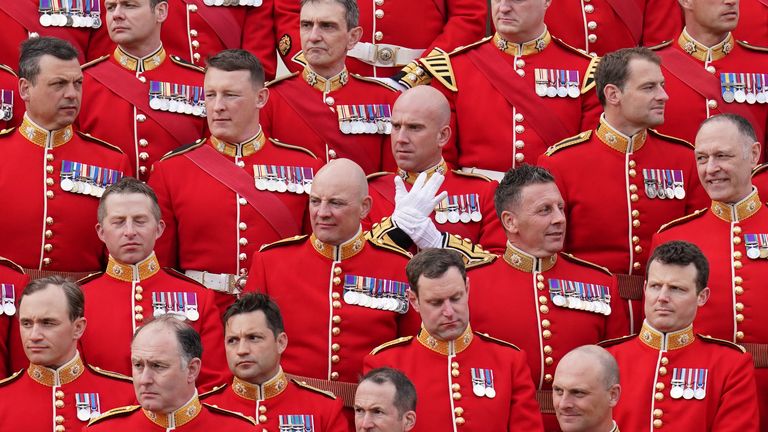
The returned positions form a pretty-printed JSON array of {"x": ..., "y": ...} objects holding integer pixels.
[
  {"x": 433, "y": 263},
  {"x": 253, "y": 302},
  {"x": 613, "y": 68},
  {"x": 128, "y": 185},
  {"x": 34, "y": 48},
  {"x": 682, "y": 253},
  {"x": 742, "y": 124},
  {"x": 351, "y": 11},
  {"x": 72, "y": 292},
  {"x": 232, "y": 60},
  {"x": 190, "y": 344},
  {"x": 405, "y": 392},
  {"x": 509, "y": 190}
]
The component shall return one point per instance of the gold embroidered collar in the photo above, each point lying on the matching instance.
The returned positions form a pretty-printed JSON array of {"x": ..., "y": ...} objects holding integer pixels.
[
  {"x": 617, "y": 140},
  {"x": 739, "y": 211},
  {"x": 133, "y": 272},
  {"x": 178, "y": 418},
  {"x": 615, "y": 427},
  {"x": 526, "y": 262},
  {"x": 65, "y": 374},
  {"x": 273, "y": 387},
  {"x": 346, "y": 250},
  {"x": 410, "y": 177},
  {"x": 446, "y": 347},
  {"x": 43, "y": 137},
  {"x": 245, "y": 148},
  {"x": 704, "y": 53},
  {"x": 526, "y": 48},
  {"x": 666, "y": 341},
  {"x": 325, "y": 85},
  {"x": 140, "y": 64}
]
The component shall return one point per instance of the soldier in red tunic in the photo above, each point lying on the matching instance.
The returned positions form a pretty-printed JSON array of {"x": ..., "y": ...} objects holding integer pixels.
[
  {"x": 385, "y": 400},
  {"x": 56, "y": 391},
  {"x": 165, "y": 358},
  {"x": 671, "y": 377}
]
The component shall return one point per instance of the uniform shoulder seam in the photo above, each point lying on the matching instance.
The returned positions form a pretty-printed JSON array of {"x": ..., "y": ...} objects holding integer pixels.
[
  {"x": 751, "y": 47},
  {"x": 109, "y": 374},
  {"x": 373, "y": 80},
  {"x": 281, "y": 144},
  {"x": 90, "y": 277},
  {"x": 760, "y": 168},
  {"x": 215, "y": 390},
  {"x": 219, "y": 410},
  {"x": 568, "y": 142},
  {"x": 284, "y": 242},
  {"x": 8, "y": 69},
  {"x": 393, "y": 343},
  {"x": 376, "y": 175},
  {"x": 471, "y": 175},
  {"x": 576, "y": 260},
  {"x": 616, "y": 341},
  {"x": 671, "y": 138},
  {"x": 564, "y": 44},
  {"x": 94, "y": 62},
  {"x": 722, "y": 342},
  {"x": 181, "y": 62},
  {"x": 462, "y": 48},
  {"x": 661, "y": 45},
  {"x": 489, "y": 338},
  {"x": 10, "y": 264},
  {"x": 686, "y": 218},
  {"x": 183, "y": 149},
  {"x": 16, "y": 375},
  {"x": 88, "y": 137},
  {"x": 306, "y": 386},
  {"x": 115, "y": 412},
  {"x": 282, "y": 78}
]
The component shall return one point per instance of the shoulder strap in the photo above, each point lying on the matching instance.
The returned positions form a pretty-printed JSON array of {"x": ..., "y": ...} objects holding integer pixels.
[
  {"x": 112, "y": 76},
  {"x": 222, "y": 21},
  {"x": 269, "y": 206}
]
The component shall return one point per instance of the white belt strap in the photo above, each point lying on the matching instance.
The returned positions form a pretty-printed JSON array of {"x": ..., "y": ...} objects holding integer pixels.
[
  {"x": 491, "y": 174},
  {"x": 223, "y": 282},
  {"x": 384, "y": 55}
]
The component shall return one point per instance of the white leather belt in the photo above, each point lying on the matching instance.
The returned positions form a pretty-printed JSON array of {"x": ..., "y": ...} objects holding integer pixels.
[
  {"x": 223, "y": 282},
  {"x": 491, "y": 174},
  {"x": 384, "y": 55}
]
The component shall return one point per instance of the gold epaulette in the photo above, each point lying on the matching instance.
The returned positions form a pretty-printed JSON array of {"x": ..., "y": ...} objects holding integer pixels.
[
  {"x": 758, "y": 169},
  {"x": 217, "y": 389},
  {"x": 670, "y": 138},
  {"x": 473, "y": 254},
  {"x": 94, "y": 62},
  {"x": 374, "y": 81},
  {"x": 12, "y": 378},
  {"x": 216, "y": 409},
  {"x": 8, "y": 69},
  {"x": 281, "y": 144},
  {"x": 11, "y": 265},
  {"x": 438, "y": 65},
  {"x": 284, "y": 242},
  {"x": 390, "y": 344},
  {"x": 686, "y": 218},
  {"x": 576, "y": 139},
  {"x": 489, "y": 338},
  {"x": 723, "y": 342},
  {"x": 183, "y": 149},
  {"x": 88, "y": 137},
  {"x": 471, "y": 175},
  {"x": 616, "y": 341},
  {"x": 7, "y": 131},
  {"x": 472, "y": 45},
  {"x": 378, "y": 236},
  {"x": 115, "y": 412},
  {"x": 589, "y": 82},
  {"x": 375, "y": 175},
  {"x": 109, "y": 374},
  {"x": 749, "y": 46},
  {"x": 577, "y": 260},
  {"x": 306, "y": 386},
  {"x": 278, "y": 79},
  {"x": 660, "y": 46},
  {"x": 82, "y": 281},
  {"x": 299, "y": 58},
  {"x": 181, "y": 62}
]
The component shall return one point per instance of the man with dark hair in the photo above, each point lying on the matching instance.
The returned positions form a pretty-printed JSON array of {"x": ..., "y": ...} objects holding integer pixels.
[
  {"x": 153, "y": 97},
  {"x": 385, "y": 401},
  {"x": 561, "y": 302},
  {"x": 533, "y": 89},
  {"x": 709, "y": 72},
  {"x": 238, "y": 186},
  {"x": 254, "y": 339},
  {"x": 326, "y": 109},
  {"x": 502, "y": 397},
  {"x": 732, "y": 233},
  {"x": 134, "y": 289},
  {"x": 646, "y": 179},
  {"x": 56, "y": 390},
  {"x": 672, "y": 377},
  {"x": 51, "y": 173},
  {"x": 165, "y": 358}
]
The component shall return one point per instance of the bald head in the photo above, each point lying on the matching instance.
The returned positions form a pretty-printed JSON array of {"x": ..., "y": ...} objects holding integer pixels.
[
  {"x": 342, "y": 174},
  {"x": 426, "y": 100},
  {"x": 420, "y": 128},
  {"x": 338, "y": 202},
  {"x": 589, "y": 356}
]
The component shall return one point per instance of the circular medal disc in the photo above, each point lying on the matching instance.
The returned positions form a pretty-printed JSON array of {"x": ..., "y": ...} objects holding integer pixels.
[
  {"x": 96, "y": 21},
  {"x": 388, "y": 126},
  {"x": 9, "y": 308},
  {"x": 86, "y": 188},
  {"x": 67, "y": 185},
  {"x": 344, "y": 127},
  {"x": 83, "y": 414},
  {"x": 562, "y": 92},
  {"x": 453, "y": 216},
  {"x": 197, "y": 110},
  {"x": 676, "y": 392},
  {"x": 208, "y": 2},
  {"x": 158, "y": 312},
  {"x": 661, "y": 194},
  {"x": 588, "y": 305},
  {"x": 164, "y": 104},
  {"x": 371, "y": 128},
  {"x": 670, "y": 192},
  {"x": 751, "y": 98},
  {"x": 478, "y": 390},
  {"x": 465, "y": 217},
  {"x": 761, "y": 98},
  {"x": 218, "y": 2},
  {"x": 395, "y": 304},
  {"x": 699, "y": 393},
  {"x": 350, "y": 297},
  {"x": 476, "y": 216},
  {"x": 308, "y": 188},
  {"x": 573, "y": 92},
  {"x": 45, "y": 20},
  {"x": 490, "y": 392},
  {"x": 679, "y": 192},
  {"x": 63, "y": 20},
  {"x": 94, "y": 190},
  {"x": 688, "y": 393},
  {"x": 193, "y": 314},
  {"x": 256, "y": 3},
  {"x": 261, "y": 184},
  {"x": 299, "y": 189},
  {"x": 728, "y": 96},
  {"x": 364, "y": 300},
  {"x": 244, "y": 2},
  {"x": 271, "y": 185},
  {"x": 597, "y": 307},
  {"x": 173, "y": 106},
  {"x": 441, "y": 217},
  {"x": 291, "y": 187},
  {"x": 650, "y": 191},
  {"x": 541, "y": 90},
  {"x": 281, "y": 186},
  {"x": 558, "y": 300},
  {"x": 739, "y": 96},
  {"x": 154, "y": 103},
  {"x": 763, "y": 253},
  {"x": 753, "y": 253},
  {"x": 187, "y": 108},
  {"x": 551, "y": 92},
  {"x": 95, "y": 414}
]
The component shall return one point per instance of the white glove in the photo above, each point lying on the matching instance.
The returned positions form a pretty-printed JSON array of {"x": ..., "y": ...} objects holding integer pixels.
[
  {"x": 413, "y": 208},
  {"x": 421, "y": 230}
]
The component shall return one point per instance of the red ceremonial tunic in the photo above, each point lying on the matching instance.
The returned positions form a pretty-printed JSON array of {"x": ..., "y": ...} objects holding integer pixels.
[
  {"x": 753, "y": 22},
  {"x": 194, "y": 202},
  {"x": 305, "y": 109},
  {"x": 734, "y": 311},
  {"x": 601, "y": 26},
  {"x": 49, "y": 228},
  {"x": 450, "y": 397},
  {"x": 13, "y": 281},
  {"x": 760, "y": 179},
  {"x": 651, "y": 401},
  {"x": 9, "y": 92},
  {"x": 42, "y": 399},
  {"x": 688, "y": 106},
  {"x": 192, "y": 417},
  {"x": 472, "y": 193},
  {"x": 120, "y": 85},
  {"x": 276, "y": 404},
  {"x": 121, "y": 299},
  {"x": 307, "y": 278},
  {"x": 544, "y": 330}
]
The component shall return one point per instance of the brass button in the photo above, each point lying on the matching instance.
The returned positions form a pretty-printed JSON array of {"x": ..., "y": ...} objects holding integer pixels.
[
  {"x": 635, "y": 213},
  {"x": 591, "y": 25},
  {"x": 540, "y": 285},
  {"x": 48, "y": 247},
  {"x": 335, "y": 331},
  {"x": 518, "y": 116},
  {"x": 739, "y": 335},
  {"x": 456, "y": 396},
  {"x": 662, "y": 371},
  {"x": 334, "y": 376},
  {"x": 335, "y": 296},
  {"x": 48, "y": 233},
  {"x": 548, "y": 361},
  {"x": 49, "y": 181},
  {"x": 658, "y": 423},
  {"x": 519, "y": 129},
  {"x": 378, "y": 35},
  {"x": 459, "y": 421},
  {"x": 543, "y": 309},
  {"x": 547, "y": 349},
  {"x": 638, "y": 249},
  {"x": 143, "y": 156},
  {"x": 335, "y": 358},
  {"x": 262, "y": 418},
  {"x": 195, "y": 44},
  {"x": 379, "y": 13},
  {"x": 738, "y": 280},
  {"x": 459, "y": 411},
  {"x": 739, "y": 307},
  {"x": 59, "y": 419},
  {"x": 49, "y": 194},
  {"x": 192, "y": 8},
  {"x": 59, "y": 394},
  {"x": 337, "y": 280},
  {"x": 335, "y": 347},
  {"x": 659, "y": 386},
  {"x": 738, "y": 290},
  {"x": 737, "y": 265},
  {"x": 46, "y": 261},
  {"x": 659, "y": 396},
  {"x": 49, "y": 169},
  {"x": 141, "y": 118},
  {"x": 139, "y": 317},
  {"x": 242, "y": 257},
  {"x": 711, "y": 69},
  {"x": 193, "y": 33},
  {"x": 635, "y": 239},
  {"x": 543, "y": 300},
  {"x": 546, "y": 334},
  {"x": 636, "y": 223},
  {"x": 636, "y": 265},
  {"x": 337, "y": 271},
  {"x": 632, "y": 173},
  {"x": 262, "y": 409},
  {"x": 243, "y": 241},
  {"x": 59, "y": 404},
  {"x": 138, "y": 297},
  {"x": 49, "y": 220},
  {"x": 634, "y": 197},
  {"x": 658, "y": 413},
  {"x": 739, "y": 318},
  {"x": 592, "y": 38},
  {"x": 455, "y": 387},
  {"x": 143, "y": 142},
  {"x": 336, "y": 304},
  {"x": 632, "y": 164},
  {"x": 664, "y": 361},
  {"x": 737, "y": 230},
  {"x": 712, "y": 104},
  {"x": 548, "y": 378},
  {"x": 242, "y": 226},
  {"x": 545, "y": 323},
  {"x": 138, "y": 309},
  {"x": 737, "y": 255},
  {"x": 336, "y": 319}
]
